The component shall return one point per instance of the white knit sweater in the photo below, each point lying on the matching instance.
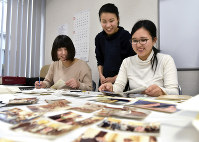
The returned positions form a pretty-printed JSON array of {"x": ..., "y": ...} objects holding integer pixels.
[{"x": 140, "y": 74}]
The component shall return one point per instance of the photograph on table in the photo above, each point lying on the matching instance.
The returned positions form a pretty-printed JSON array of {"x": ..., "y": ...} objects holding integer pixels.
[
  {"x": 57, "y": 105},
  {"x": 130, "y": 126},
  {"x": 96, "y": 135},
  {"x": 178, "y": 98},
  {"x": 88, "y": 107},
  {"x": 22, "y": 101},
  {"x": 44, "y": 128},
  {"x": 17, "y": 115},
  {"x": 112, "y": 100},
  {"x": 154, "y": 105},
  {"x": 49, "y": 101},
  {"x": 67, "y": 117},
  {"x": 73, "y": 118},
  {"x": 123, "y": 113}
]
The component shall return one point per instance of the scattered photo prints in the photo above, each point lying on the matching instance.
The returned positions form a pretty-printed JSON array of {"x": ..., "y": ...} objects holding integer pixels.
[
  {"x": 16, "y": 115},
  {"x": 44, "y": 127},
  {"x": 157, "y": 106},
  {"x": 95, "y": 135}
]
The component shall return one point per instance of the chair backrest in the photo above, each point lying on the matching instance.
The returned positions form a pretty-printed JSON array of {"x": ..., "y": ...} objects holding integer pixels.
[
  {"x": 94, "y": 85},
  {"x": 179, "y": 90},
  {"x": 44, "y": 71}
]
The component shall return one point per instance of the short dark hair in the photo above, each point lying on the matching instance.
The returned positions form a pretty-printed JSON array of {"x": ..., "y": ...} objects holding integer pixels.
[
  {"x": 60, "y": 42},
  {"x": 109, "y": 8},
  {"x": 151, "y": 28}
]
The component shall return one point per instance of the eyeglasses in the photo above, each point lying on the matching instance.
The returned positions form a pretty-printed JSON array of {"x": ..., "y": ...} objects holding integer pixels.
[{"x": 141, "y": 41}]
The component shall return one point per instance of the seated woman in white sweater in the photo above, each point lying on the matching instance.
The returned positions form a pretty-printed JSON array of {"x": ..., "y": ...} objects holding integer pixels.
[
  {"x": 74, "y": 72},
  {"x": 148, "y": 69}
]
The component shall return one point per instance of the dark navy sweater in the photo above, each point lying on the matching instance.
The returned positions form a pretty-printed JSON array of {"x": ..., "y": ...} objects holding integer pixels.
[{"x": 112, "y": 50}]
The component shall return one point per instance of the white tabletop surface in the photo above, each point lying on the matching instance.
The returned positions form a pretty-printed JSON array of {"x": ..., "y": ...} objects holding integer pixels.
[{"x": 175, "y": 127}]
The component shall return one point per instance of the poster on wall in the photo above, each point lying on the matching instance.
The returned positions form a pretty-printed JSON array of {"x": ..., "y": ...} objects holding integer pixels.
[
  {"x": 81, "y": 34},
  {"x": 62, "y": 29}
]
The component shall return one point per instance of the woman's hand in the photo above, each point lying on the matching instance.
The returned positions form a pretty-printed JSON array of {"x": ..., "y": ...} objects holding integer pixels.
[
  {"x": 106, "y": 87},
  {"x": 110, "y": 79},
  {"x": 102, "y": 79},
  {"x": 40, "y": 85},
  {"x": 73, "y": 83},
  {"x": 154, "y": 91}
]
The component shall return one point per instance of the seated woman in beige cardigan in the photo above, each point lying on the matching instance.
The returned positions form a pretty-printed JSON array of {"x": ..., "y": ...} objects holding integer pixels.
[{"x": 74, "y": 72}]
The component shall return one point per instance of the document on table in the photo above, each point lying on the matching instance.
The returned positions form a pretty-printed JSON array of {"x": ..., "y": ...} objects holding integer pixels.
[
  {"x": 9, "y": 89},
  {"x": 190, "y": 105},
  {"x": 124, "y": 94},
  {"x": 136, "y": 90}
]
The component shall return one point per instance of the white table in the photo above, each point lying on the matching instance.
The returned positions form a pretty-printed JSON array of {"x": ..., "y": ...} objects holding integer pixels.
[{"x": 175, "y": 127}]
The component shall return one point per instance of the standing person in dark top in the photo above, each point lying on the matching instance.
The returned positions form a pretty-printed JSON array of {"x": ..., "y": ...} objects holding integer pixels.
[{"x": 112, "y": 44}]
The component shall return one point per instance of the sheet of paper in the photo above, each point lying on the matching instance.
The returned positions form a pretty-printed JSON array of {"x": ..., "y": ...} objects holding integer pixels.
[
  {"x": 59, "y": 84},
  {"x": 190, "y": 105},
  {"x": 136, "y": 91},
  {"x": 9, "y": 89}
]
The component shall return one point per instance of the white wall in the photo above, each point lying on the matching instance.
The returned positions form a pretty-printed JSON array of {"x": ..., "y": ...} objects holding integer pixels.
[{"x": 60, "y": 12}]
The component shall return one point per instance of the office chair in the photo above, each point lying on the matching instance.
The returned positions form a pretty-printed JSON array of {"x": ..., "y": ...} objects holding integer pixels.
[
  {"x": 44, "y": 71},
  {"x": 179, "y": 90},
  {"x": 93, "y": 85}
]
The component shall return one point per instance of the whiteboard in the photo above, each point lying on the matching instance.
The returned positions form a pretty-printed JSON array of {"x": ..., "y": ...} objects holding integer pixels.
[{"x": 179, "y": 31}]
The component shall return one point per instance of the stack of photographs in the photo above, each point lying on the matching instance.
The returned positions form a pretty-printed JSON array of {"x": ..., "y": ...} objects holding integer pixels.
[
  {"x": 123, "y": 113},
  {"x": 88, "y": 107},
  {"x": 16, "y": 115},
  {"x": 130, "y": 126},
  {"x": 56, "y": 105},
  {"x": 154, "y": 105},
  {"x": 95, "y": 135},
  {"x": 44, "y": 127}
]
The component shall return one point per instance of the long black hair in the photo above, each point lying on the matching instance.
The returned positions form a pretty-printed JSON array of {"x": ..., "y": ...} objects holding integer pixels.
[{"x": 151, "y": 28}]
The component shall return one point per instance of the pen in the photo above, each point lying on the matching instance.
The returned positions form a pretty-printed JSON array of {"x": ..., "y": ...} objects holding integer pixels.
[
  {"x": 39, "y": 81},
  {"x": 75, "y": 90}
]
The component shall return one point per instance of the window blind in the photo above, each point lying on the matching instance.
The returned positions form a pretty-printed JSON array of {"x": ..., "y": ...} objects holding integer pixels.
[{"x": 24, "y": 42}]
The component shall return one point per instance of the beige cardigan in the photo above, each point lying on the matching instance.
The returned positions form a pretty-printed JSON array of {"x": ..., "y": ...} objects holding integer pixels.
[{"x": 79, "y": 71}]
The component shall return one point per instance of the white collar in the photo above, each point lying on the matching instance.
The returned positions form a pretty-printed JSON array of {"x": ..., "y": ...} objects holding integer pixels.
[{"x": 148, "y": 60}]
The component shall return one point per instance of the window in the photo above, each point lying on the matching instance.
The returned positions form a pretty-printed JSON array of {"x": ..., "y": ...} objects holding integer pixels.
[
  {"x": 22, "y": 37},
  {"x": 3, "y": 16}
]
